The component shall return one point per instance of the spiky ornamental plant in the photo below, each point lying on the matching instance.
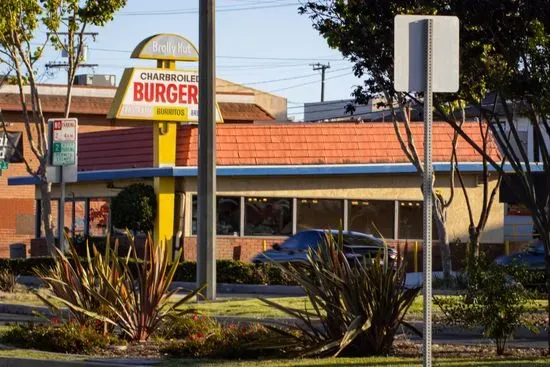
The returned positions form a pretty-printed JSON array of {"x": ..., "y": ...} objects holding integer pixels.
[
  {"x": 128, "y": 292},
  {"x": 359, "y": 305}
]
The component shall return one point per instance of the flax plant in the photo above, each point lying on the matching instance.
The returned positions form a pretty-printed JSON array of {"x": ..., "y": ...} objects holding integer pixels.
[{"x": 357, "y": 305}]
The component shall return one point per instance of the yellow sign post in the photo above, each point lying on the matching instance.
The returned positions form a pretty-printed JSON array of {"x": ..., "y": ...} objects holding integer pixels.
[{"x": 166, "y": 97}]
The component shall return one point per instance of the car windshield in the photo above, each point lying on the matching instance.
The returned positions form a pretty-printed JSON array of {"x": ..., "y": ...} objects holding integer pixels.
[{"x": 302, "y": 241}]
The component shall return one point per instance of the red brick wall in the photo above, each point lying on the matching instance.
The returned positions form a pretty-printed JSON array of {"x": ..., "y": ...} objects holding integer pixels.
[
  {"x": 237, "y": 248},
  {"x": 17, "y": 202}
]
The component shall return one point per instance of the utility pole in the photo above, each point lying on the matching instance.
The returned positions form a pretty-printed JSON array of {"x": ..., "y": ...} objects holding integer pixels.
[
  {"x": 323, "y": 68},
  {"x": 206, "y": 234}
]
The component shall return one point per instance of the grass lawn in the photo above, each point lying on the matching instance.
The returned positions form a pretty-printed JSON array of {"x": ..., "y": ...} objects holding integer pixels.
[
  {"x": 375, "y": 361},
  {"x": 249, "y": 307}
]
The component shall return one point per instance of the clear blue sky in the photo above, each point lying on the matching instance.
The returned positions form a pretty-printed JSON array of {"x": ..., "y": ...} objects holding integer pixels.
[{"x": 257, "y": 41}]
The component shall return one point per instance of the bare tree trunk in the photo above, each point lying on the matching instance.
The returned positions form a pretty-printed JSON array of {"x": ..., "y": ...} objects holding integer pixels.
[
  {"x": 440, "y": 217},
  {"x": 473, "y": 237},
  {"x": 46, "y": 195}
]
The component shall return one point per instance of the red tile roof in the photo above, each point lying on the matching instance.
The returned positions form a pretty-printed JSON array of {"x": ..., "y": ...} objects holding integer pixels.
[
  {"x": 277, "y": 144},
  {"x": 233, "y": 111}
]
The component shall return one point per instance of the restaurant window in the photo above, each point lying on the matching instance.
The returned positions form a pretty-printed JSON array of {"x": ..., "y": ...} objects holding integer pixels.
[
  {"x": 410, "y": 220},
  {"x": 99, "y": 217},
  {"x": 375, "y": 217},
  {"x": 228, "y": 212},
  {"x": 267, "y": 216},
  {"x": 79, "y": 213},
  {"x": 319, "y": 214}
]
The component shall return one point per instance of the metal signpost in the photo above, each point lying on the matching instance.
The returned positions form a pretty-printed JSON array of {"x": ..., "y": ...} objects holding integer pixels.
[
  {"x": 63, "y": 143},
  {"x": 426, "y": 60}
]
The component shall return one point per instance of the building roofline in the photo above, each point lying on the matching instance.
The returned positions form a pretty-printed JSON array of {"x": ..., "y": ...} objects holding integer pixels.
[{"x": 290, "y": 170}]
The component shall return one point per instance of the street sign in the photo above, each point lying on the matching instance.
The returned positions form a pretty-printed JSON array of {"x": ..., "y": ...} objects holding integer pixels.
[
  {"x": 64, "y": 138},
  {"x": 410, "y": 55},
  {"x": 3, "y": 165}
]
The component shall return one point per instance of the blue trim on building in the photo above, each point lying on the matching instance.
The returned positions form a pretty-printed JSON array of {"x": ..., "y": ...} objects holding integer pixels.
[{"x": 302, "y": 170}]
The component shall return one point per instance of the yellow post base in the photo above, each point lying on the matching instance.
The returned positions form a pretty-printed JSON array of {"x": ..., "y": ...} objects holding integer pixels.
[{"x": 165, "y": 156}]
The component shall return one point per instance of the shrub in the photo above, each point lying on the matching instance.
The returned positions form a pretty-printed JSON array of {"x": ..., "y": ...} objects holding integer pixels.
[
  {"x": 205, "y": 338},
  {"x": 138, "y": 301},
  {"x": 128, "y": 292},
  {"x": 7, "y": 281},
  {"x": 83, "y": 285},
  {"x": 360, "y": 305},
  {"x": 62, "y": 338},
  {"x": 493, "y": 300},
  {"x": 134, "y": 208},
  {"x": 188, "y": 325}
]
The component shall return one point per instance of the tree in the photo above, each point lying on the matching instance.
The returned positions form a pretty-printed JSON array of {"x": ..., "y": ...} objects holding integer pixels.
[
  {"x": 504, "y": 49},
  {"x": 134, "y": 208},
  {"x": 440, "y": 203},
  {"x": 19, "y": 24}
]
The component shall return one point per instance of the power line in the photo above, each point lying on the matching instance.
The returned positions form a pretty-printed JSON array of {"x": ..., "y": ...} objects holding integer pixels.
[
  {"x": 303, "y": 84},
  {"x": 289, "y": 78},
  {"x": 195, "y": 11}
]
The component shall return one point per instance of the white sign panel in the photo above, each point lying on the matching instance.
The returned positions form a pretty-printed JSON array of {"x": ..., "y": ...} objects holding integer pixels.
[
  {"x": 158, "y": 95},
  {"x": 410, "y": 54},
  {"x": 64, "y": 141}
]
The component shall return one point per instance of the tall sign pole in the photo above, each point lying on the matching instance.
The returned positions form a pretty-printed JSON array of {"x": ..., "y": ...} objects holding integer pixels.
[
  {"x": 424, "y": 63},
  {"x": 427, "y": 187},
  {"x": 206, "y": 231}
]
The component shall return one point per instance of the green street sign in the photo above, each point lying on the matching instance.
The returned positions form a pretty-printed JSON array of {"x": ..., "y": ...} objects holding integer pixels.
[
  {"x": 3, "y": 165},
  {"x": 64, "y": 153}
]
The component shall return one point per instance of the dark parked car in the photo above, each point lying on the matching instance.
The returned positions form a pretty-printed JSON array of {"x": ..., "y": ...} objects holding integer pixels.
[
  {"x": 532, "y": 257},
  {"x": 294, "y": 249}
]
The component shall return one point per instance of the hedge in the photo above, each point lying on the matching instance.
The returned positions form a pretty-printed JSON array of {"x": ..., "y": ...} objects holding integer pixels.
[{"x": 228, "y": 271}]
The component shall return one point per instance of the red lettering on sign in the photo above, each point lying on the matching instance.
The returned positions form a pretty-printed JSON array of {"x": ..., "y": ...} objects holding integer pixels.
[
  {"x": 138, "y": 92},
  {"x": 171, "y": 93},
  {"x": 193, "y": 92},
  {"x": 166, "y": 93},
  {"x": 160, "y": 90},
  {"x": 183, "y": 93}
]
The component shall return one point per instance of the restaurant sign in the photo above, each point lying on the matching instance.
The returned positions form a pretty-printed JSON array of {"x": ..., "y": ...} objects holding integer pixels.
[{"x": 158, "y": 95}]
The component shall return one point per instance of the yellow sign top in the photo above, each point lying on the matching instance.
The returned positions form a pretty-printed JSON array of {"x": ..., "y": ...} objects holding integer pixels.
[{"x": 166, "y": 46}]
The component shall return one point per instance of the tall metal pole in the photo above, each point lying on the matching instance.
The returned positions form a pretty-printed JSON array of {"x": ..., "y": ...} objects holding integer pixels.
[
  {"x": 206, "y": 231},
  {"x": 427, "y": 185},
  {"x": 323, "y": 84}
]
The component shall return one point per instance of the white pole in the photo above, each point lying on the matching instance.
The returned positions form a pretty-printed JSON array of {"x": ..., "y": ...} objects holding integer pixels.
[{"x": 427, "y": 185}]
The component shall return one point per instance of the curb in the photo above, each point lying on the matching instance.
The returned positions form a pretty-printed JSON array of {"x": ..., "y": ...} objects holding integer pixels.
[{"x": 21, "y": 362}]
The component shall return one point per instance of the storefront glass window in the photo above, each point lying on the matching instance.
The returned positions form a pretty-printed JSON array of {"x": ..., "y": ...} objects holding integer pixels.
[
  {"x": 268, "y": 216},
  {"x": 375, "y": 217},
  {"x": 99, "y": 217},
  {"x": 79, "y": 213},
  {"x": 228, "y": 215},
  {"x": 410, "y": 220},
  {"x": 319, "y": 214}
]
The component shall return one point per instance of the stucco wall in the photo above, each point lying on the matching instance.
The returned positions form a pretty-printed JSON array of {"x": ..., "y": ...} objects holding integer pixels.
[{"x": 384, "y": 187}]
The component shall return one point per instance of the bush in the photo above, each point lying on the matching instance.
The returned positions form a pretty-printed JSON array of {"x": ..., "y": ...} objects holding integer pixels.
[
  {"x": 62, "y": 338},
  {"x": 203, "y": 337},
  {"x": 493, "y": 300},
  {"x": 134, "y": 208},
  {"x": 128, "y": 293},
  {"x": 229, "y": 271},
  {"x": 7, "y": 281},
  {"x": 186, "y": 326},
  {"x": 360, "y": 305}
]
